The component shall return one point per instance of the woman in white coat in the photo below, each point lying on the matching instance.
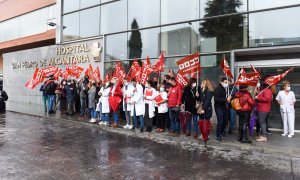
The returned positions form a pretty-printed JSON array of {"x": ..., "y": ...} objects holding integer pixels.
[
  {"x": 162, "y": 109},
  {"x": 105, "y": 108},
  {"x": 127, "y": 92},
  {"x": 286, "y": 99},
  {"x": 149, "y": 95},
  {"x": 138, "y": 105}
]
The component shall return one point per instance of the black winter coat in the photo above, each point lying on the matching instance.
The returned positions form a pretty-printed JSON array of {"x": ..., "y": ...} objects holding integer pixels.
[
  {"x": 206, "y": 97},
  {"x": 220, "y": 97},
  {"x": 189, "y": 98}
]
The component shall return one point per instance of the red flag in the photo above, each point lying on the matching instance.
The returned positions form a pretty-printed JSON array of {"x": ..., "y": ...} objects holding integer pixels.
[
  {"x": 159, "y": 65},
  {"x": 77, "y": 70},
  {"x": 119, "y": 72},
  {"x": 146, "y": 70},
  {"x": 135, "y": 70},
  {"x": 38, "y": 76},
  {"x": 189, "y": 64},
  {"x": 97, "y": 75},
  {"x": 57, "y": 74},
  {"x": 275, "y": 79},
  {"x": 107, "y": 77},
  {"x": 181, "y": 79},
  {"x": 89, "y": 71},
  {"x": 225, "y": 67},
  {"x": 256, "y": 72},
  {"x": 50, "y": 70},
  {"x": 246, "y": 79}
]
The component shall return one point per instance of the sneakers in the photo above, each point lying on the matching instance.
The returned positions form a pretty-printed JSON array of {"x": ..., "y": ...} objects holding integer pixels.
[
  {"x": 106, "y": 124},
  {"x": 126, "y": 127},
  {"x": 283, "y": 135},
  {"x": 262, "y": 139},
  {"x": 93, "y": 120},
  {"x": 130, "y": 126},
  {"x": 101, "y": 123},
  {"x": 290, "y": 136},
  {"x": 269, "y": 132}
]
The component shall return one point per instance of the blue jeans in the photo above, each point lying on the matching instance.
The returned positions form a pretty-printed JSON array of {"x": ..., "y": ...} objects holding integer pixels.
[
  {"x": 194, "y": 117},
  {"x": 105, "y": 117},
  {"x": 174, "y": 121},
  {"x": 51, "y": 99},
  {"x": 116, "y": 117},
  {"x": 141, "y": 117},
  {"x": 93, "y": 112},
  {"x": 232, "y": 118},
  {"x": 222, "y": 121}
]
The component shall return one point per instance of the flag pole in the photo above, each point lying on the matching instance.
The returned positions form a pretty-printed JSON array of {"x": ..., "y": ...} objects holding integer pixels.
[{"x": 263, "y": 90}]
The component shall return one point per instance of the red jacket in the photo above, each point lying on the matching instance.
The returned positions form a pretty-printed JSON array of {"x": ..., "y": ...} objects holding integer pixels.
[
  {"x": 246, "y": 101},
  {"x": 175, "y": 94},
  {"x": 264, "y": 101}
]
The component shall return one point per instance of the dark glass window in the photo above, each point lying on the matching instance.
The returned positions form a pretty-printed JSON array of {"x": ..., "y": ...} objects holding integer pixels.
[
  {"x": 179, "y": 39},
  {"x": 216, "y": 7},
  {"x": 71, "y": 23},
  {"x": 179, "y": 10},
  {"x": 88, "y": 3},
  {"x": 116, "y": 47},
  {"x": 143, "y": 43},
  {"x": 274, "y": 28},
  {"x": 223, "y": 34},
  {"x": 90, "y": 22},
  {"x": 144, "y": 12},
  {"x": 114, "y": 17},
  {"x": 70, "y": 5}
]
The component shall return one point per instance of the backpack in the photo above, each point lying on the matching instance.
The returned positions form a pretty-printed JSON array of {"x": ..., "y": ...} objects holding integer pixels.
[
  {"x": 49, "y": 88},
  {"x": 235, "y": 104}
]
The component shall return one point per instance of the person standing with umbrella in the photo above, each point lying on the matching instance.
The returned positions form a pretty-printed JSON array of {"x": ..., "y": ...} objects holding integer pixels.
[
  {"x": 206, "y": 97},
  {"x": 247, "y": 105},
  {"x": 191, "y": 94}
]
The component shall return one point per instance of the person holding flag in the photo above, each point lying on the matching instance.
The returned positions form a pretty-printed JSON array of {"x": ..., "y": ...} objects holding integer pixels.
[
  {"x": 161, "y": 102},
  {"x": 115, "y": 99},
  {"x": 264, "y": 100}
]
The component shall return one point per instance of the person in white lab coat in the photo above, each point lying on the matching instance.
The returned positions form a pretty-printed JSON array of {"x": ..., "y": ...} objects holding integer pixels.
[
  {"x": 162, "y": 109},
  {"x": 127, "y": 92},
  {"x": 149, "y": 95},
  {"x": 286, "y": 99},
  {"x": 105, "y": 107},
  {"x": 138, "y": 105}
]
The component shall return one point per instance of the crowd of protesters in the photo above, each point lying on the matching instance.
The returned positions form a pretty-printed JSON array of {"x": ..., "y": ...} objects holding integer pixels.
[{"x": 137, "y": 103}]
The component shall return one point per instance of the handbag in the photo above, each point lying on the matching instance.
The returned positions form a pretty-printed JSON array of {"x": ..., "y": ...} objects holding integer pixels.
[
  {"x": 235, "y": 104},
  {"x": 198, "y": 105}
]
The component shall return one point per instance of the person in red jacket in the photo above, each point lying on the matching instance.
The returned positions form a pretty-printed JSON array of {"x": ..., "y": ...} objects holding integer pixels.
[
  {"x": 115, "y": 99},
  {"x": 174, "y": 101},
  {"x": 247, "y": 104},
  {"x": 264, "y": 100}
]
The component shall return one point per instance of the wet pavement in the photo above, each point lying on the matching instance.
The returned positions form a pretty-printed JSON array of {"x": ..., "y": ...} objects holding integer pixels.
[{"x": 45, "y": 148}]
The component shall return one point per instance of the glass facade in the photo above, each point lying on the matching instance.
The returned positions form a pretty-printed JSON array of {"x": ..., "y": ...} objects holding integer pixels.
[
  {"x": 28, "y": 24},
  {"x": 219, "y": 27}
]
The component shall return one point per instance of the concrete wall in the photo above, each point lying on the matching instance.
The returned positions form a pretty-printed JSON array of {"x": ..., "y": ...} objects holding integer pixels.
[{"x": 22, "y": 99}]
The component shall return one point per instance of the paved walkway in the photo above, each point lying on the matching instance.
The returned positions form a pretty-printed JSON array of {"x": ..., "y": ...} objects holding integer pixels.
[{"x": 34, "y": 147}]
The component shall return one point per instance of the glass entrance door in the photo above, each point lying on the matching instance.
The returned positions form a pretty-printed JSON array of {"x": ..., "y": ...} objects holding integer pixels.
[{"x": 274, "y": 119}]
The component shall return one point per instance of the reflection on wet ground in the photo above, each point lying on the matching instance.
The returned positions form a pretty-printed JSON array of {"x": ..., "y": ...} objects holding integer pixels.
[{"x": 41, "y": 148}]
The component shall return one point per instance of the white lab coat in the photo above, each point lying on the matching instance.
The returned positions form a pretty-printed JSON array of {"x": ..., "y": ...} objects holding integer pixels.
[
  {"x": 163, "y": 108},
  {"x": 127, "y": 93},
  {"x": 98, "y": 107},
  {"x": 150, "y": 101},
  {"x": 287, "y": 111},
  {"x": 287, "y": 101},
  {"x": 105, "y": 100},
  {"x": 138, "y": 97}
]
